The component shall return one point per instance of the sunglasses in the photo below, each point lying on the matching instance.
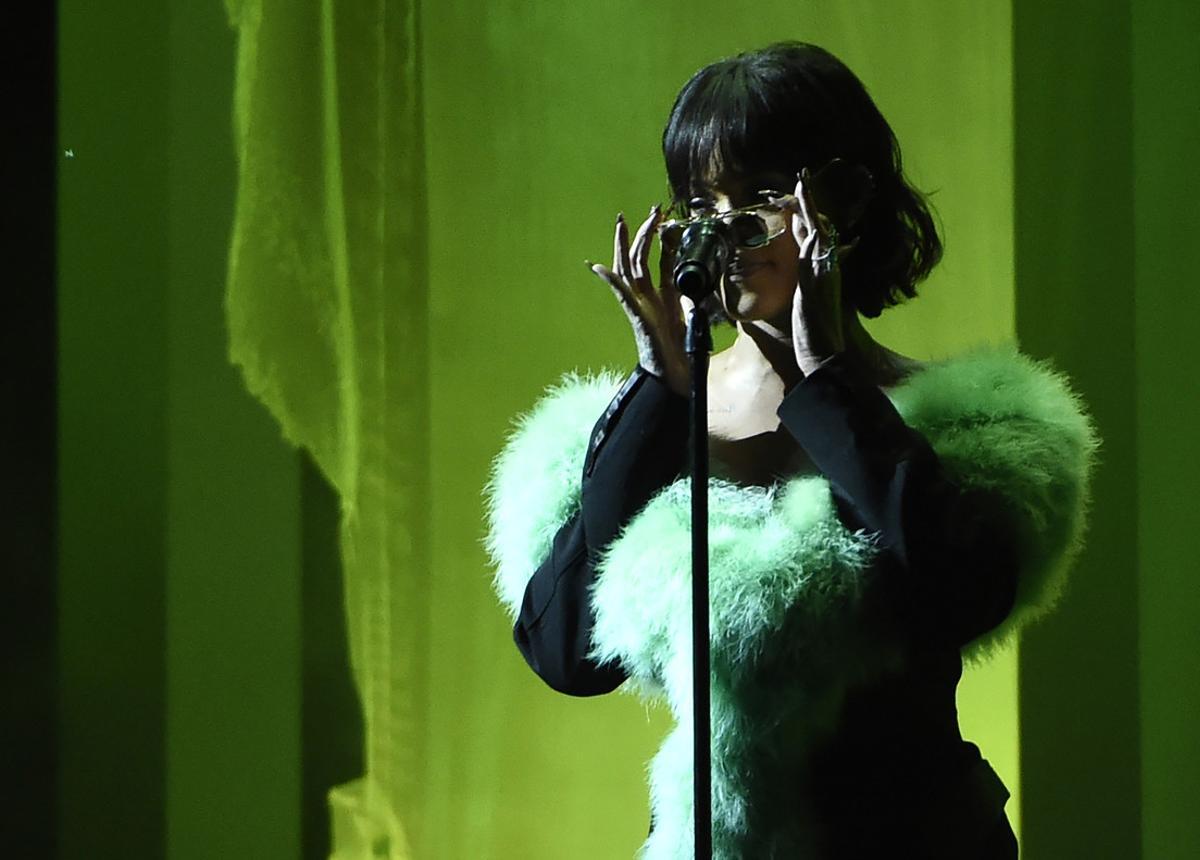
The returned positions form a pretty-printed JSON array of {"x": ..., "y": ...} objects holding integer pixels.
[{"x": 749, "y": 226}]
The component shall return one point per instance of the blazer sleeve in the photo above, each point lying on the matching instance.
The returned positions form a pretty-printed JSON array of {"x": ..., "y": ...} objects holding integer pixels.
[
  {"x": 951, "y": 547},
  {"x": 636, "y": 448}
]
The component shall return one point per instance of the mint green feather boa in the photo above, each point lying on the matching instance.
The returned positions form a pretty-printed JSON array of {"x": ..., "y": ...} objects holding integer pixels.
[{"x": 787, "y": 581}]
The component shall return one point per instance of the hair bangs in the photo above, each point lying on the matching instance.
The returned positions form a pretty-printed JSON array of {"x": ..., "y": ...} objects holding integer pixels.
[
  {"x": 709, "y": 130},
  {"x": 723, "y": 122}
]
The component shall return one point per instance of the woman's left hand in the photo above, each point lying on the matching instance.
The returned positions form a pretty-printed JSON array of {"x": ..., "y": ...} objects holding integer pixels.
[{"x": 818, "y": 329}]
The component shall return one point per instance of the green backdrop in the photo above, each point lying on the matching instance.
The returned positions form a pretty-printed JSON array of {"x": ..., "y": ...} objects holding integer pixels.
[
  {"x": 542, "y": 123},
  {"x": 399, "y": 210}
]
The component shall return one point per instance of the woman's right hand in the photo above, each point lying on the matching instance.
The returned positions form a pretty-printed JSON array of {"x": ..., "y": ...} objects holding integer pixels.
[{"x": 656, "y": 315}]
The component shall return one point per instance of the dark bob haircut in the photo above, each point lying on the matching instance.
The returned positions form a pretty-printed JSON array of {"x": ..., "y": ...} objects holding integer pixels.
[{"x": 793, "y": 105}]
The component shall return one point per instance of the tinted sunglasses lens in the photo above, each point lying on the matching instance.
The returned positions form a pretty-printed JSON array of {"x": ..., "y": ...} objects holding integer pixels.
[{"x": 749, "y": 231}]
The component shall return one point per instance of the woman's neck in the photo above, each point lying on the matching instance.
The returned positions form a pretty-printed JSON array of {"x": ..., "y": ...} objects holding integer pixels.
[{"x": 763, "y": 350}]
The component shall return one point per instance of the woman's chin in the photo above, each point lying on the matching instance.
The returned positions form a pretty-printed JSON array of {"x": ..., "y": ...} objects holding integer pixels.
[{"x": 744, "y": 303}]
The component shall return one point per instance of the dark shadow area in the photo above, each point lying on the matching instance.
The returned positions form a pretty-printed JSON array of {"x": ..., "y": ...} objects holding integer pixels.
[
  {"x": 331, "y": 724},
  {"x": 28, "y": 604}
]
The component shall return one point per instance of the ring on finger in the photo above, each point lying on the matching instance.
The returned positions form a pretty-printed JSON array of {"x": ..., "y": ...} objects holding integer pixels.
[{"x": 828, "y": 260}]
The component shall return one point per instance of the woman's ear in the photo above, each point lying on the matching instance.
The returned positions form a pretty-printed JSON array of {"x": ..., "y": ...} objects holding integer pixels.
[{"x": 841, "y": 191}]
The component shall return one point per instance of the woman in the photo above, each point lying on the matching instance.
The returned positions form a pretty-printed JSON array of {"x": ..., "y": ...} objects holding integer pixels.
[{"x": 873, "y": 518}]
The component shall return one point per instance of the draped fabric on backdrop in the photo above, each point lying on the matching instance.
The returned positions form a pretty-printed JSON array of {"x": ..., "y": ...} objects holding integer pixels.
[{"x": 326, "y": 310}]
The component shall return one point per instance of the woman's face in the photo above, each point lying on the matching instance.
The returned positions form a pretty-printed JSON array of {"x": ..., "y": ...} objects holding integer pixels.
[{"x": 761, "y": 282}]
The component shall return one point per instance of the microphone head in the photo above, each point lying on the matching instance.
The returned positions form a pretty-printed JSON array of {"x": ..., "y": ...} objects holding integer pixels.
[
  {"x": 704, "y": 252},
  {"x": 694, "y": 280}
]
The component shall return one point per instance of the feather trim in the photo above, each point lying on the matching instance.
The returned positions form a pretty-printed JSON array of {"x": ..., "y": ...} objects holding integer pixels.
[
  {"x": 534, "y": 485},
  {"x": 788, "y": 580},
  {"x": 1002, "y": 422}
]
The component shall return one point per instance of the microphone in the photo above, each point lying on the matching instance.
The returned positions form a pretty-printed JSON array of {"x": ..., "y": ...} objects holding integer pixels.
[{"x": 704, "y": 252}]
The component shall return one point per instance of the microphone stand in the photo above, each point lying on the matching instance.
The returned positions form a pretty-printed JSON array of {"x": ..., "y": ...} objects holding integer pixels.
[
  {"x": 698, "y": 345},
  {"x": 705, "y": 249}
]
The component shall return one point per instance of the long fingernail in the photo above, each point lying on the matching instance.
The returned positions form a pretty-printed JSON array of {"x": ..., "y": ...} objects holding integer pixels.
[{"x": 620, "y": 217}]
